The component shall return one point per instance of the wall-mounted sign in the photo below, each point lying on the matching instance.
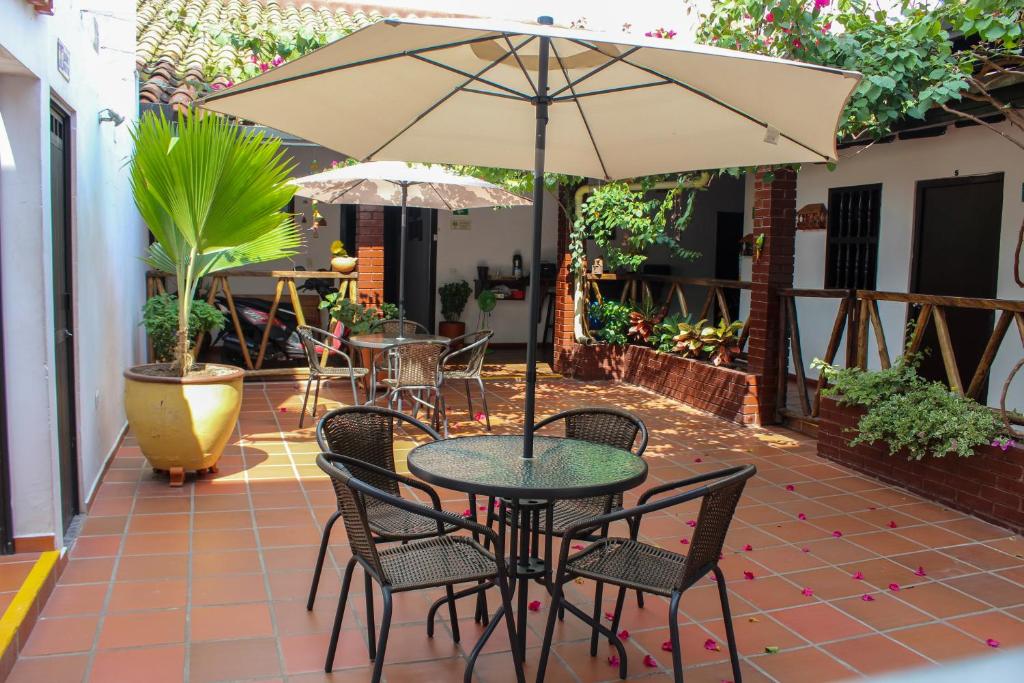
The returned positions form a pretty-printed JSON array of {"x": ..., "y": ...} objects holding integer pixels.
[
  {"x": 812, "y": 217},
  {"x": 63, "y": 60},
  {"x": 460, "y": 219}
]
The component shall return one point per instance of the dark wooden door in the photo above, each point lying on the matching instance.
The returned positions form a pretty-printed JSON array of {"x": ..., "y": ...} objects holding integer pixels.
[
  {"x": 420, "y": 262},
  {"x": 957, "y": 254},
  {"x": 63, "y": 316},
  {"x": 727, "y": 255}
]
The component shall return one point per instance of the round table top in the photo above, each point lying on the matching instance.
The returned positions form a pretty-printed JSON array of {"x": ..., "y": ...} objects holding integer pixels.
[
  {"x": 494, "y": 465},
  {"x": 382, "y": 341}
]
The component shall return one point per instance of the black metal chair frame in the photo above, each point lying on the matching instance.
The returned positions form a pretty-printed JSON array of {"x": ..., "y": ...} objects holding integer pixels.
[
  {"x": 476, "y": 350},
  {"x": 324, "y": 443},
  {"x": 313, "y": 348},
  {"x": 705, "y": 549},
  {"x": 393, "y": 358},
  {"x": 339, "y": 468}
]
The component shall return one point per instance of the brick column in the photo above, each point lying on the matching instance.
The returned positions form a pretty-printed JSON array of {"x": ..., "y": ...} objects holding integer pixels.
[
  {"x": 370, "y": 251},
  {"x": 563, "y": 337},
  {"x": 775, "y": 218}
]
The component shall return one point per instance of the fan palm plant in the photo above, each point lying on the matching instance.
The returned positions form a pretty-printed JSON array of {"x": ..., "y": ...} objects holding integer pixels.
[{"x": 212, "y": 195}]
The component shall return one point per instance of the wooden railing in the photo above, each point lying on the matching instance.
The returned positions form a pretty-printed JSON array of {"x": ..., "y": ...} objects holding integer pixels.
[{"x": 857, "y": 311}]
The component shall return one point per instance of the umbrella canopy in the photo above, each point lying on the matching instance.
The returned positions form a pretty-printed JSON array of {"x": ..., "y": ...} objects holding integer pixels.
[
  {"x": 380, "y": 183},
  {"x": 395, "y": 183},
  {"x": 474, "y": 91},
  {"x": 621, "y": 106}
]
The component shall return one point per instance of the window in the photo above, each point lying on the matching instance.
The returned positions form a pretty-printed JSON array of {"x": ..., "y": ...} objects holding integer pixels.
[{"x": 854, "y": 218}]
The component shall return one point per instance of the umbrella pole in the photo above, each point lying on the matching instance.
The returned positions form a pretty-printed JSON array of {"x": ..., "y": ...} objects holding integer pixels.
[
  {"x": 401, "y": 262},
  {"x": 541, "y": 107}
]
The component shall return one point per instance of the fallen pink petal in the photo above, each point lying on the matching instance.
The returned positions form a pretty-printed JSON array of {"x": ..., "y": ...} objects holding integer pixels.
[
  {"x": 479, "y": 417},
  {"x": 859, "y": 576},
  {"x": 808, "y": 592},
  {"x": 577, "y": 546},
  {"x": 467, "y": 513},
  {"x": 691, "y": 522},
  {"x": 790, "y": 487},
  {"x": 867, "y": 598},
  {"x": 837, "y": 534},
  {"x": 609, "y": 616},
  {"x": 711, "y": 645},
  {"x": 805, "y": 550},
  {"x": 894, "y": 587},
  {"x": 667, "y": 646},
  {"x": 749, "y": 576},
  {"x": 684, "y": 541},
  {"x": 698, "y": 459},
  {"x": 920, "y": 572},
  {"x": 992, "y": 642},
  {"x": 748, "y": 547},
  {"x": 650, "y": 662},
  {"x": 801, "y": 515},
  {"x": 534, "y": 606},
  {"x": 613, "y": 660},
  {"x": 623, "y": 634},
  {"x": 892, "y": 525}
]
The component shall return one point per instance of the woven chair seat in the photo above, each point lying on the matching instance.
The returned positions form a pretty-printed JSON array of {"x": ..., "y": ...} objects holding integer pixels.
[
  {"x": 568, "y": 512},
  {"x": 629, "y": 563},
  {"x": 392, "y": 523},
  {"x": 436, "y": 561},
  {"x": 461, "y": 373},
  {"x": 334, "y": 371}
]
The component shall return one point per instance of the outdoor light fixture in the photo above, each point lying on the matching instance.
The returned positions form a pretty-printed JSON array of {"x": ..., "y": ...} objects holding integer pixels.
[{"x": 111, "y": 115}]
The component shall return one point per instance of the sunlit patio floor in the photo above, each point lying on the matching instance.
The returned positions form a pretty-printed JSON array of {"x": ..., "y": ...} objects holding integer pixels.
[{"x": 208, "y": 582}]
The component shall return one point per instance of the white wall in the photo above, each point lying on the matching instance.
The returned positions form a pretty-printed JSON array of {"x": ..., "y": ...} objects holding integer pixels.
[
  {"x": 108, "y": 240},
  {"x": 898, "y": 166},
  {"x": 494, "y": 236}
]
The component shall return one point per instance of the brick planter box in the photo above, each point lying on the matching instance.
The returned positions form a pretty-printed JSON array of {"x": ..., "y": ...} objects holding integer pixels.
[
  {"x": 725, "y": 392},
  {"x": 989, "y": 484}
]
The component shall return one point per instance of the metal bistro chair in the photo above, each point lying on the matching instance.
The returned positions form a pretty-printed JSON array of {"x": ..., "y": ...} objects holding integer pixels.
[
  {"x": 316, "y": 343},
  {"x": 415, "y": 369},
  {"x": 629, "y": 563},
  {"x": 467, "y": 364},
  {"x": 391, "y": 326},
  {"x": 439, "y": 560},
  {"x": 367, "y": 433}
]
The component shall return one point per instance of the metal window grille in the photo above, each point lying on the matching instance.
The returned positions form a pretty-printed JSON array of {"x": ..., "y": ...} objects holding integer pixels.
[{"x": 854, "y": 221}]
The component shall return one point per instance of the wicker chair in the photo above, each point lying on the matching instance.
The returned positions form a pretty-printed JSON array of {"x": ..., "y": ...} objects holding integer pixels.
[
  {"x": 320, "y": 344},
  {"x": 366, "y": 433},
  {"x": 415, "y": 369},
  {"x": 466, "y": 363},
  {"x": 439, "y": 560},
  {"x": 390, "y": 328},
  {"x": 628, "y": 563}
]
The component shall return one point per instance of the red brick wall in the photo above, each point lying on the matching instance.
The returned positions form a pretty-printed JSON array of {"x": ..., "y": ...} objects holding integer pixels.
[
  {"x": 775, "y": 218},
  {"x": 725, "y": 392},
  {"x": 370, "y": 251},
  {"x": 989, "y": 484},
  {"x": 563, "y": 337}
]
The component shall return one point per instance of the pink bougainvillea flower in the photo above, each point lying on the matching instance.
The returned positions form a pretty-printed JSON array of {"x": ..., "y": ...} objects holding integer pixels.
[
  {"x": 264, "y": 67},
  {"x": 805, "y": 550},
  {"x": 867, "y": 598},
  {"x": 613, "y": 660},
  {"x": 710, "y": 645},
  {"x": 229, "y": 84},
  {"x": 797, "y": 43},
  {"x": 769, "y": 17},
  {"x": 827, "y": 27},
  {"x": 467, "y": 513},
  {"x": 894, "y": 587},
  {"x": 623, "y": 634},
  {"x": 790, "y": 487},
  {"x": 609, "y": 616},
  {"x": 691, "y": 523},
  {"x": 807, "y": 592},
  {"x": 650, "y": 662},
  {"x": 278, "y": 60},
  {"x": 837, "y": 534},
  {"x": 479, "y": 416},
  {"x": 801, "y": 516},
  {"x": 667, "y": 646},
  {"x": 859, "y": 576},
  {"x": 684, "y": 541},
  {"x": 253, "y": 58},
  {"x": 822, "y": 3},
  {"x": 892, "y": 524},
  {"x": 748, "y": 547},
  {"x": 749, "y": 576},
  {"x": 992, "y": 642},
  {"x": 577, "y": 546},
  {"x": 534, "y": 606},
  {"x": 920, "y": 572}
]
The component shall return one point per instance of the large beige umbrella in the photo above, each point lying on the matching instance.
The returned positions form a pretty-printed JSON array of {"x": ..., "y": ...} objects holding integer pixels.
[
  {"x": 475, "y": 91},
  {"x": 395, "y": 183}
]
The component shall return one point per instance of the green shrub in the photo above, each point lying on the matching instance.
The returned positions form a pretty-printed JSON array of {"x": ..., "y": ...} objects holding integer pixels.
[
  {"x": 906, "y": 411},
  {"x": 613, "y": 318},
  {"x": 160, "y": 318}
]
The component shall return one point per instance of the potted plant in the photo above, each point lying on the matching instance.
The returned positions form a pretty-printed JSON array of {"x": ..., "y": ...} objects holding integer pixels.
[
  {"x": 212, "y": 197},
  {"x": 341, "y": 262},
  {"x": 454, "y": 297}
]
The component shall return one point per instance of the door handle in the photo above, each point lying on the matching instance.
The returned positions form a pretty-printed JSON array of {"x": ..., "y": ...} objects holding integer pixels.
[{"x": 64, "y": 333}]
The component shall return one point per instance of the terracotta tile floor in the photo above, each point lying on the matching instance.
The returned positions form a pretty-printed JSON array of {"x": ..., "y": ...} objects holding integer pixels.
[{"x": 207, "y": 582}]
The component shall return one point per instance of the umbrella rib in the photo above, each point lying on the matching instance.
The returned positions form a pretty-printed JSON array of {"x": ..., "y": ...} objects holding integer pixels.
[
  {"x": 335, "y": 198},
  {"x": 444, "y": 99},
  {"x": 708, "y": 96},
  {"x": 467, "y": 74},
  {"x": 579, "y": 108},
  {"x": 476, "y": 91},
  {"x": 438, "y": 193},
  {"x": 612, "y": 60},
  {"x": 242, "y": 88},
  {"x": 608, "y": 91},
  {"x": 522, "y": 67}
]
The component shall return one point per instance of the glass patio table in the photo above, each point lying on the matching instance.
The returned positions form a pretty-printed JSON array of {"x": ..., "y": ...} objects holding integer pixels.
[
  {"x": 369, "y": 343},
  {"x": 493, "y": 465}
]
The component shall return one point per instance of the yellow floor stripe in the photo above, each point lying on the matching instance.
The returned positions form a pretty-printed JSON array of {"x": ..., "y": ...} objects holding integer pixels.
[{"x": 22, "y": 602}]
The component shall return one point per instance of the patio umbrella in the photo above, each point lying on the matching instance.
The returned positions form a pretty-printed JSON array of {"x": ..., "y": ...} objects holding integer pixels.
[
  {"x": 395, "y": 183},
  {"x": 474, "y": 91}
]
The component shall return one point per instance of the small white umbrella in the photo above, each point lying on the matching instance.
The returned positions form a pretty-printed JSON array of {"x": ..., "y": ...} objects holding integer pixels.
[
  {"x": 473, "y": 91},
  {"x": 396, "y": 183}
]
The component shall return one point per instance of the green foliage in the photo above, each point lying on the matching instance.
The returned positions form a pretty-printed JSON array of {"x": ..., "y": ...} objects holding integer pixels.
[
  {"x": 486, "y": 301},
  {"x": 687, "y": 338},
  {"x": 909, "y": 60},
  {"x": 721, "y": 342},
  {"x": 212, "y": 197},
  {"x": 160, "y": 318},
  {"x": 613, "y": 318},
  {"x": 643, "y": 320},
  {"x": 454, "y": 297},
  {"x": 357, "y": 318},
  {"x": 665, "y": 332},
  {"x": 909, "y": 412}
]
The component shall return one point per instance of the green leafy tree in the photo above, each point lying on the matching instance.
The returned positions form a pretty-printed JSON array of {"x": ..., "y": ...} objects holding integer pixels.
[{"x": 211, "y": 196}]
